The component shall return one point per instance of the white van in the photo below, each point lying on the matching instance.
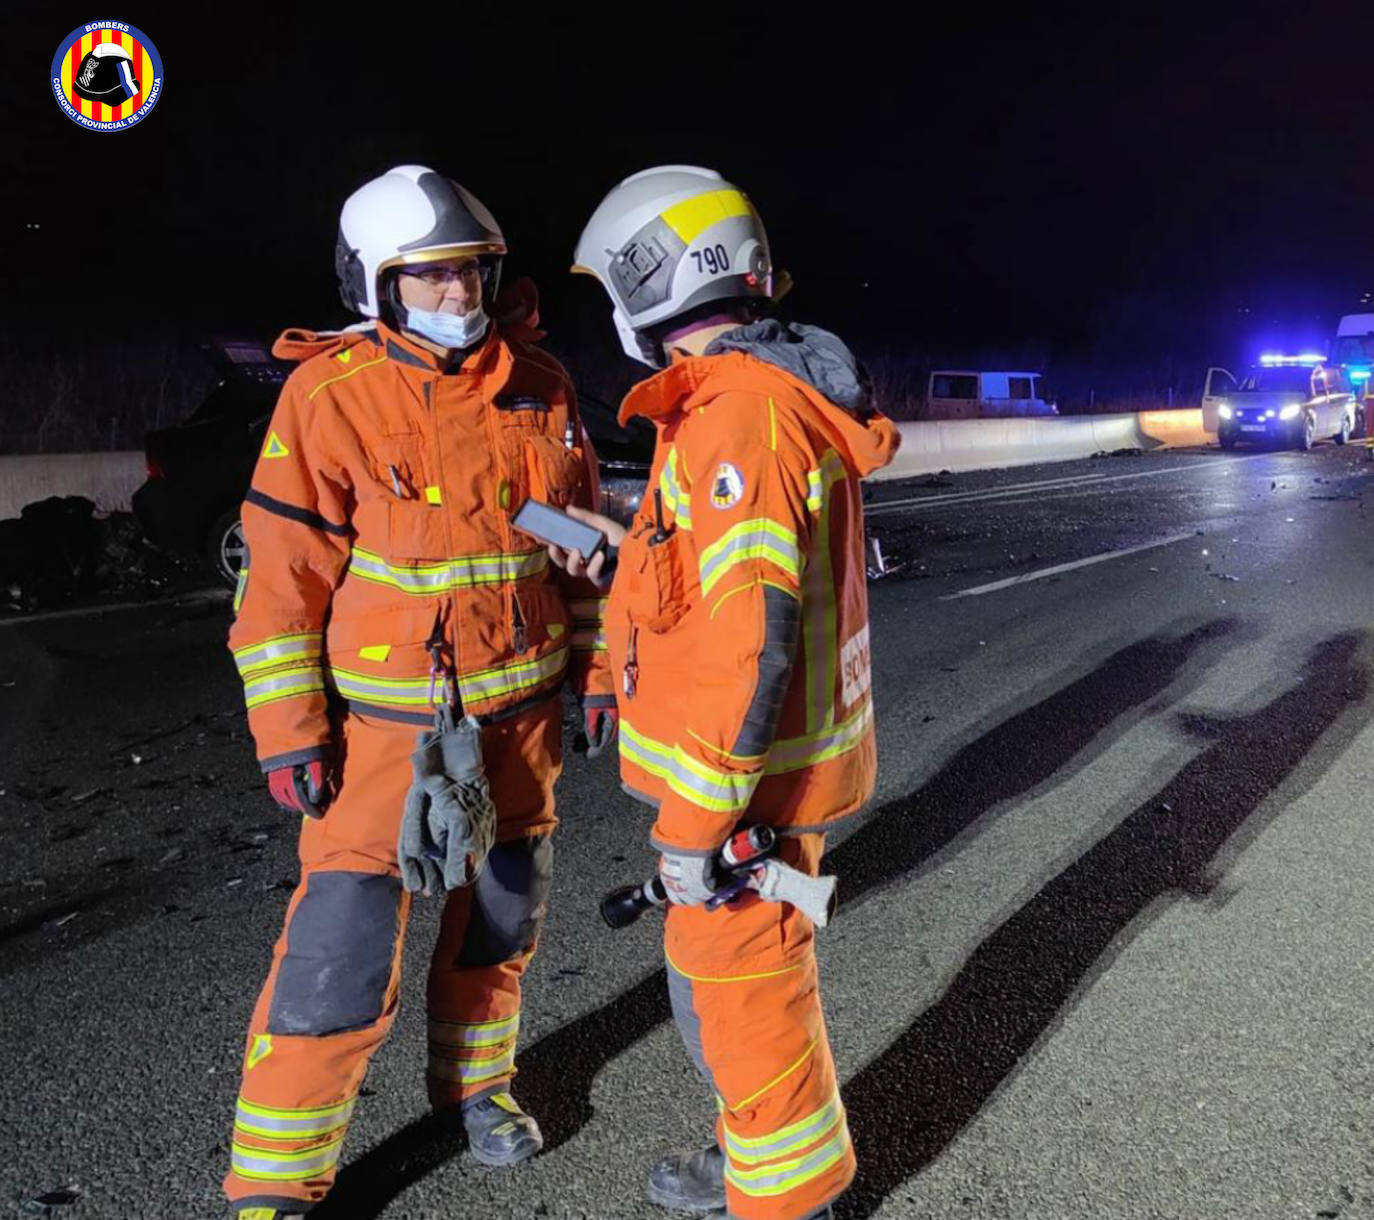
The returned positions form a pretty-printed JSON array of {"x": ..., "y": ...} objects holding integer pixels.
[
  {"x": 1353, "y": 350},
  {"x": 960, "y": 394}
]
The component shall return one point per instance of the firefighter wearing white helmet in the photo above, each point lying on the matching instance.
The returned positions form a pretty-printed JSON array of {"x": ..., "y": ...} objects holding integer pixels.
[
  {"x": 408, "y": 217},
  {"x": 403, "y": 650},
  {"x": 738, "y": 640},
  {"x": 669, "y": 242}
]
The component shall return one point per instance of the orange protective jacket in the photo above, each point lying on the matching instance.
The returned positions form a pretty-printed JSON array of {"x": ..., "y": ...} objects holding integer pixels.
[
  {"x": 379, "y": 531},
  {"x": 738, "y": 622}
]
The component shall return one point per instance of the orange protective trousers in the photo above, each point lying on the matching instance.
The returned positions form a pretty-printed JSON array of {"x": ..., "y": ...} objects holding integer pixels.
[
  {"x": 744, "y": 989},
  {"x": 332, "y": 991}
]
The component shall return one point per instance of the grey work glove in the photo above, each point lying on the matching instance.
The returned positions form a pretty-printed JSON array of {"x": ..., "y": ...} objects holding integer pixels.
[
  {"x": 688, "y": 880},
  {"x": 449, "y": 822}
]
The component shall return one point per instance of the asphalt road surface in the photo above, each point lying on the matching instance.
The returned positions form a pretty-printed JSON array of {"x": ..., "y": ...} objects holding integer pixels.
[{"x": 1105, "y": 942}]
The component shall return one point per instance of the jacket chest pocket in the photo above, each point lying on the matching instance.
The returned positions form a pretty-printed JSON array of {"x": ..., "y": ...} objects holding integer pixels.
[
  {"x": 537, "y": 465},
  {"x": 554, "y": 473},
  {"x": 658, "y": 583},
  {"x": 416, "y": 532},
  {"x": 397, "y": 466}
]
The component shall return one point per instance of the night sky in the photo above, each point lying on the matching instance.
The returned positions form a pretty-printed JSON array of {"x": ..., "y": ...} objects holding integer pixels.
[{"x": 1059, "y": 183}]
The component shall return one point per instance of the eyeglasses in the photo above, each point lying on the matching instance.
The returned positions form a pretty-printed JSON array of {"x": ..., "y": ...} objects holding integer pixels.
[{"x": 442, "y": 277}]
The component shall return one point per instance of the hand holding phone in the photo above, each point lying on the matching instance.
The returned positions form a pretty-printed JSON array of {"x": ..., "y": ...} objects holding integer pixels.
[{"x": 555, "y": 528}]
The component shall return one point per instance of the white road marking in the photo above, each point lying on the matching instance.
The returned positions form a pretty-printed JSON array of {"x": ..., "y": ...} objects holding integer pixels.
[
  {"x": 191, "y": 599},
  {"x": 1067, "y": 567},
  {"x": 1030, "y": 489}
]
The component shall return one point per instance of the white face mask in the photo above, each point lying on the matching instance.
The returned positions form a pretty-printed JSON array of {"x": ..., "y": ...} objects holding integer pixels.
[{"x": 449, "y": 330}]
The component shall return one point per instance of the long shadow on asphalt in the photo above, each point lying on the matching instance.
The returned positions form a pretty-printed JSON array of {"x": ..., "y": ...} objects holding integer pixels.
[
  {"x": 909, "y": 1103},
  {"x": 1021, "y": 752}
]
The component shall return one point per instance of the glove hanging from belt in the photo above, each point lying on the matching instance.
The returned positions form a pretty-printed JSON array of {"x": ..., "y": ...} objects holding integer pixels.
[{"x": 449, "y": 822}]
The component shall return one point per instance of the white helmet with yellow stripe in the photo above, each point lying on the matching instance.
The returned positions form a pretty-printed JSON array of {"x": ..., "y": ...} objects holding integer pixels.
[{"x": 667, "y": 242}]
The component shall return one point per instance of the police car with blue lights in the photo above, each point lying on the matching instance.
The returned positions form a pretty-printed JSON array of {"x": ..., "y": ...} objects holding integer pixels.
[{"x": 1294, "y": 401}]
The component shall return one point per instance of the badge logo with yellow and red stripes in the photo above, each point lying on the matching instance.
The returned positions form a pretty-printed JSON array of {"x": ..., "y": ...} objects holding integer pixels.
[{"x": 107, "y": 76}]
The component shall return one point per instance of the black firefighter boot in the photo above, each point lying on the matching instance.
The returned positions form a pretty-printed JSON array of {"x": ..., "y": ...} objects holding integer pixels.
[
  {"x": 691, "y": 1183},
  {"x": 499, "y": 1132}
]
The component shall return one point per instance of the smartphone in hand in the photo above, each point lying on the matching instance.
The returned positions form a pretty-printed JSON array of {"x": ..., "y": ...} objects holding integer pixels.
[{"x": 553, "y": 526}]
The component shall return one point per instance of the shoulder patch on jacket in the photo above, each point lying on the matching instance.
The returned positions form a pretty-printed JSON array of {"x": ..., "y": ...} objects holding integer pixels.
[
  {"x": 727, "y": 486},
  {"x": 274, "y": 447}
]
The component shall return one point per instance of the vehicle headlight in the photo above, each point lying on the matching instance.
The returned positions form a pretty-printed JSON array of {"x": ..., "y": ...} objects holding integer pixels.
[
  {"x": 1225, "y": 411},
  {"x": 1290, "y": 411}
]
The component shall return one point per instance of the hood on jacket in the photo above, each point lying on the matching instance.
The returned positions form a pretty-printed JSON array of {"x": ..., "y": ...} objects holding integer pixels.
[
  {"x": 298, "y": 344},
  {"x": 809, "y": 353},
  {"x": 813, "y": 361}
]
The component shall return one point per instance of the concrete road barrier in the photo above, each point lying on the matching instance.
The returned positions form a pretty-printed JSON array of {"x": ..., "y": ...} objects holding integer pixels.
[
  {"x": 929, "y": 446},
  {"x": 108, "y": 479}
]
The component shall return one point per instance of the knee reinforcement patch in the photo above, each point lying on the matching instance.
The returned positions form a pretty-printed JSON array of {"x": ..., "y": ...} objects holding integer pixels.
[
  {"x": 508, "y": 902},
  {"x": 339, "y": 948}
]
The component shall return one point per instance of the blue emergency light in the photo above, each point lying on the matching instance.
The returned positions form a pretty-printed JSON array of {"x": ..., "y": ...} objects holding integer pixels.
[
  {"x": 1272, "y": 360},
  {"x": 1358, "y": 374}
]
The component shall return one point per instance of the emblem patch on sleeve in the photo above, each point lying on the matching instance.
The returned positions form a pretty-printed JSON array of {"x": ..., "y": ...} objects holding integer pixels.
[{"x": 727, "y": 488}]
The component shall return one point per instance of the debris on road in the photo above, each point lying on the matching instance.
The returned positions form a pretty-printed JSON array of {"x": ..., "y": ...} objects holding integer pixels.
[
  {"x": 43, "y": 1204},
  {"x": 58, "y": 551}
]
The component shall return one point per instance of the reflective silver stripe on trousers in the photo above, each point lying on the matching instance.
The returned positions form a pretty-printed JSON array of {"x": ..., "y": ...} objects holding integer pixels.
[
  {"x": 789, "y": 1139},
  {"x": 285, "y": 1167},
  {"x": 488, "y": 1033},
  {"x": 778, "y": 1179},
  {"x": 473, "y": 1071},
  {"x": 303, "y": 1123}
]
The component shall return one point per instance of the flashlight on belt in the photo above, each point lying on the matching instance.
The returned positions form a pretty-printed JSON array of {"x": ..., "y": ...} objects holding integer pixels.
[
  {"x": 745, "y": 862},
  {"x": 742, "y": 851}
]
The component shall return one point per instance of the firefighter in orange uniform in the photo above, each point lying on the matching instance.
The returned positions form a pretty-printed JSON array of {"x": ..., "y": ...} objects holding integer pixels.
[
  {"x": 738, "y": 632},
  {"x": 385, "y": 587}
]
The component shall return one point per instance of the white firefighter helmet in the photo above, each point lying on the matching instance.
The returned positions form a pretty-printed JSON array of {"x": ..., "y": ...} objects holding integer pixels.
[
  {"x": 668, "y": 241},
  {"x": 409, "y": 215}
]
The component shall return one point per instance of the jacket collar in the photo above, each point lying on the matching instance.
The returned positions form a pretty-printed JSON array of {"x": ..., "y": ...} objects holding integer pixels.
[{"x": 483, "y": 359}]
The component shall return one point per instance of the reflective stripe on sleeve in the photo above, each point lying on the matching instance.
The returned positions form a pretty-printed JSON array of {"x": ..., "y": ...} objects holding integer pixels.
[
  {"x": 758, "y": 538},
  {"x": 675, "y": 499},
  {"x": 718, "y": 791},
  {"x": 787, "y": 753},
  {"x": 303, "y": 646},
  {"x": 283, "y": 684}
]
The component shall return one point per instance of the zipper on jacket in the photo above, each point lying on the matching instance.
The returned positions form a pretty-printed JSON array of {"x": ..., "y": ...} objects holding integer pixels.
[{"x": 630, "y": 679}]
